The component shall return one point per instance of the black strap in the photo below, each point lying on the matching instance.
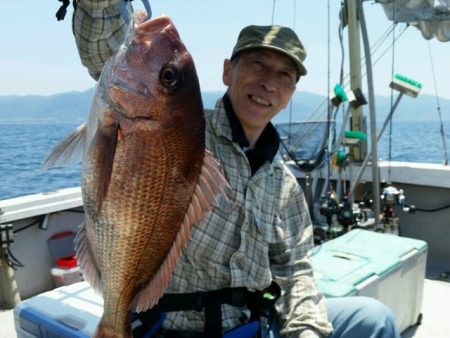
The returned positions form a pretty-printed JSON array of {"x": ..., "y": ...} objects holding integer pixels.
[
  {"x": 211, "y": 301},
  {"x": 198, "y": 300},
  {"x": 61, "y": 13},
  {"x": 213, "y": 317}
]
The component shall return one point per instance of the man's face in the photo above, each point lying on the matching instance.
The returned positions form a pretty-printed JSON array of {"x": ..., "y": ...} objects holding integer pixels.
[{"x": 260, "y": 83}]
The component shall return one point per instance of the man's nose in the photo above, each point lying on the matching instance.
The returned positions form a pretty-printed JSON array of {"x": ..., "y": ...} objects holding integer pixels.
[{"x": 268, "y": 81}]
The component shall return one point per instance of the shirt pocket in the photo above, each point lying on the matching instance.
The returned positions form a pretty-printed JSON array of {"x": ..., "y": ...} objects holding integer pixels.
[
  {"x": 228, "y": 204},
  {"x": 269, "y": 227}
]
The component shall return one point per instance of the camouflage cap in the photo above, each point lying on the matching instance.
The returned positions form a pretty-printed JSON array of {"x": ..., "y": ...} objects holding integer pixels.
[{"x": 279, "y": 38}]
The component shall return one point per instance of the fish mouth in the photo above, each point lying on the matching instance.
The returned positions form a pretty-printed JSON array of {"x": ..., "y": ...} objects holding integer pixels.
[{"x": 159, "y": 24}]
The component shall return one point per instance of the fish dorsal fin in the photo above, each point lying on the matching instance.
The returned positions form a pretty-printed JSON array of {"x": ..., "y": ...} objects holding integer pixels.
[
  {"x": 211, "y": 182},
  {"x": 86, "y": 259},
  {"x": 69, "y": 150}
]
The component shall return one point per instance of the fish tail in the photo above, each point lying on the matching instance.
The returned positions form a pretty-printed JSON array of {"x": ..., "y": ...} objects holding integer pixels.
[{"x": 106, "y": 331}]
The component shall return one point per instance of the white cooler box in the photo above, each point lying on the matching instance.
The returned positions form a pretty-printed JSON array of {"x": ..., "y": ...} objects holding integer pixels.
[
  {"x": 67, "y": 312},
  {"x": 383, "y": 266}
]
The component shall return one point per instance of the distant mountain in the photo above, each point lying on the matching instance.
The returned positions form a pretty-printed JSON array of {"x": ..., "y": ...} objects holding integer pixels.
[
  {"x": 419, "y": 109},
  {"x": 73, "y": 107},
  {"x": 70, "y": 107}
]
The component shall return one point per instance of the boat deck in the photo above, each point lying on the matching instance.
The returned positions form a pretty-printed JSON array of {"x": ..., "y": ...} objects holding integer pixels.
[{"x": 435, "y": 310}]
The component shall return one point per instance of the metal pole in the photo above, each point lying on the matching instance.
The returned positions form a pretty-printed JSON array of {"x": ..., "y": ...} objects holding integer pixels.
[
  {"x": 356, "y": 122},
  {"x": 341, "y": 130},
  {"x": 373, "y": 119},
  {"x": 369, "y": 155}
]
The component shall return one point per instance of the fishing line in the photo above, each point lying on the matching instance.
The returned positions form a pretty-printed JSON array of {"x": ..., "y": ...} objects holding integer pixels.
[
  {"x": 392, "y": 103},
  {"x": 302, "y": 134},
  {"x": 341, "y": 44},
  {"x": 295, "y": 14},
  {"x": 319, "y": 111},
  {"x": 290, "y": 101},
  {"x": 334, "y": 146},
  {"x": 438, "y": 105},
  {"x": 328, "y": 147},
  {"x": 383, "y": 53},
  {"x": 273, "y": 10}
]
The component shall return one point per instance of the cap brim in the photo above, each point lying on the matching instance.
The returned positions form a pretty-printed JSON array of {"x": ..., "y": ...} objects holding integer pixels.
[{"x": 299, "y": 65}]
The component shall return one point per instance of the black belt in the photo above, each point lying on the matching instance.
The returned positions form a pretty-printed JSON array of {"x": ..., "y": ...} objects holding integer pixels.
[{"x": 258, "y": 303}]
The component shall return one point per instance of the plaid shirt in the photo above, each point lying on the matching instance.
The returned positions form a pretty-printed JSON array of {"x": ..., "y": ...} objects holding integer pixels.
[{"x": 261, "y": 233}]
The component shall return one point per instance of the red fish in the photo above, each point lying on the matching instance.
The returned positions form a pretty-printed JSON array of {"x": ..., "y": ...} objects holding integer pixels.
[{"x": 147, "y": 177}]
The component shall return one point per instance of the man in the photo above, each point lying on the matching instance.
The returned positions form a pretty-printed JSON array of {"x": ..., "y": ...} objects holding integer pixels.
[{"x": 262, "y": 236}]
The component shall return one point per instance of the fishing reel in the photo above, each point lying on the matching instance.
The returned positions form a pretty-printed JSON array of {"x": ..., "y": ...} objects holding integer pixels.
[
  {"x": 348, "y": 214},
  {"x": 340, "y": 216},
  {"x": 345, "y": 212},
  {"x": 329, "y": 206},
  {"x": 392, "y": 198}
]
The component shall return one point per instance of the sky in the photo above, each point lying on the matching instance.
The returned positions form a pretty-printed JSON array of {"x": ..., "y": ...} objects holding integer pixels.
[{"x": 38, "y": 55}]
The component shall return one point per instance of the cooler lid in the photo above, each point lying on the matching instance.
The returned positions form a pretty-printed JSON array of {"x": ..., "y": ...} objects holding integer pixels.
[
  {"x": 75, "y": 306},
  {"x": 342, "y": 263}
]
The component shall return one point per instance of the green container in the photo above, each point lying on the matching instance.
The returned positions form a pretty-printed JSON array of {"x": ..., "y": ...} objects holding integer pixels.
[{"x": 384, "y": 266}]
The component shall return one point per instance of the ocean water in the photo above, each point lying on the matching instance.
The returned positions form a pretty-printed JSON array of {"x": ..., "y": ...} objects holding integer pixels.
[
  {"x": 24, "y": 146},
  {"x": 415, "y": 141}
]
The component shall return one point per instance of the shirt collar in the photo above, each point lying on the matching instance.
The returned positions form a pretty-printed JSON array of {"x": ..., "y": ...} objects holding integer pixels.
[{"x": 267, "y": 144}]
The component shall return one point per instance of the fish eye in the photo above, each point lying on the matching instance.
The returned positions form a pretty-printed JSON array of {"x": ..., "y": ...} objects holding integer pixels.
[{"x": 169, "y": 77}]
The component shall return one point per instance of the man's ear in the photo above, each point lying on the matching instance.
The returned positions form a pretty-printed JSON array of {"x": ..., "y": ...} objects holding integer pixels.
[{"x": 226, "y": 75}]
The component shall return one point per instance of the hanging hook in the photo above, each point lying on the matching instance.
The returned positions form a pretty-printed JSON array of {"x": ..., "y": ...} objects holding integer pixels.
[{"x": 124, "y": 11}]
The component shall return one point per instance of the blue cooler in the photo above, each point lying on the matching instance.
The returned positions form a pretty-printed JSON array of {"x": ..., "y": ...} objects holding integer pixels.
[
  {"x": 67, "y": 312},
  {"x": 383, "y": 266}
]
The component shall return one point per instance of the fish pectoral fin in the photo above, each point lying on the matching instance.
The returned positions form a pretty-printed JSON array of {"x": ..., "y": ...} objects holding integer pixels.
[
  {"x": 103, "y": 150},
  {"x": 86, "y": 259},
  {"x": 149, "y": 296},
  {"x": 211, "y": 182},
  {"x": 69, "y": 150}
]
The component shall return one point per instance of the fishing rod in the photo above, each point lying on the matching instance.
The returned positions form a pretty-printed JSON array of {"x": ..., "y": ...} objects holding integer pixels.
[{"x": 405, "y": 86}]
